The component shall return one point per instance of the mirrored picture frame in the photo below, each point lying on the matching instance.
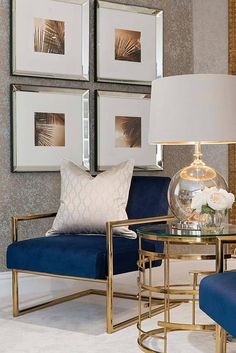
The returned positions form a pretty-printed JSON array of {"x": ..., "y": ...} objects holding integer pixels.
[
  {"x": 129, "y": 43},
  {"x": 50, "y": 38},
  {"x": 122, "y": 131},
  {"x": 49, "y": 125}
]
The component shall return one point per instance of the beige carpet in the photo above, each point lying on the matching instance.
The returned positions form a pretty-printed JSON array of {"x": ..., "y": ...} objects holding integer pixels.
[{"x": 79, "y": 326}]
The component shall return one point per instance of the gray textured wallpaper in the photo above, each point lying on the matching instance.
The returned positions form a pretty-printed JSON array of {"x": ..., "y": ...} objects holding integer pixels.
[{"x": 23, "y": 193}]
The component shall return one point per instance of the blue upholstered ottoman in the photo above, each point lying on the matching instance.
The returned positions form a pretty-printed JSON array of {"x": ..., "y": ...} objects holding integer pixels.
[{"x": 217, "y": 298}]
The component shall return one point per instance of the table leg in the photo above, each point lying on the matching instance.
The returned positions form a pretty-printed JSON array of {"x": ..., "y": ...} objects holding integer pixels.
[
  {"x": 195, "y": 277},
  {"x": 168, "y": 282},
  {"x": 150, "y": 284},
  {"x": 165, "y": 304}
]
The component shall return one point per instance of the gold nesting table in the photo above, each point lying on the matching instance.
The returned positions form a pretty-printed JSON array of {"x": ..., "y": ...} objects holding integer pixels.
[{"x": 167, "y": 294}]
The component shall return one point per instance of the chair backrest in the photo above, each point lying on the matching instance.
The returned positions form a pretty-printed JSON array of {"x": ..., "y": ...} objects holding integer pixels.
[{"x": 148, "y": 197}]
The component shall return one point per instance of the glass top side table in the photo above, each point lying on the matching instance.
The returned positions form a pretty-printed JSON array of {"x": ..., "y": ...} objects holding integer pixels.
[
  {"x": 161, "y": 231},
  {"x": 172, "y": 294}
]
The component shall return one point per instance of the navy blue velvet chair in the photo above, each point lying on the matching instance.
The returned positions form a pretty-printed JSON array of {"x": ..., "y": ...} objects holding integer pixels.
[
  {"x": 93, "y": 258},
  {"x": 217, "y": 297}
]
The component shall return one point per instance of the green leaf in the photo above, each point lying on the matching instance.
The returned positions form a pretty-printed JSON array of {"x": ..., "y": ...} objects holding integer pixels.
[{"x": 207, "y": 209}]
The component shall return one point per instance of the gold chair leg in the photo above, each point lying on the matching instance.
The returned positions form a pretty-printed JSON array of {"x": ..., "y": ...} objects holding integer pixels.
[
  {"x": 15, "y": 293},
  {"x": 15, "y": 297},
  {"x": 109, "y": 299},
  {"x": 220, "y": 339},
  {"x": 111, "y": 327}
]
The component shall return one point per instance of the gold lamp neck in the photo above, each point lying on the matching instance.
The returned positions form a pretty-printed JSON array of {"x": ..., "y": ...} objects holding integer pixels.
[
  {"x": 198, "y": 170},
  {"x": 198, "y": 156}
]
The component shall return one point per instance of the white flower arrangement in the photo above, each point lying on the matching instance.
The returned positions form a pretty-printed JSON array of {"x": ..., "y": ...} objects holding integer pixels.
[{"x": 210, "y": 200}]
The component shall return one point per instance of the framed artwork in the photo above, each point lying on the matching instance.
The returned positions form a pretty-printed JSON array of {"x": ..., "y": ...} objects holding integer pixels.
[
  {"x": 129, "y": 43},
  {"x": 50, "y": 38},
  {"x": 48, "y": 125},
  {"x": 122, "y": 131},
  {"x": 232, "y": 71}
]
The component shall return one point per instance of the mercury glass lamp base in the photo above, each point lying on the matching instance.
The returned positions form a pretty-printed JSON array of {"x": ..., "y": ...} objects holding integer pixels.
[
  {"x": 194, "y": 228},
  {"x": 189, "y": 226}
]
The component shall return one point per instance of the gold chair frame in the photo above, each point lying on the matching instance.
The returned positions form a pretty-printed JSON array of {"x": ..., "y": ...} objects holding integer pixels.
[{"x": 109, "y": 292}]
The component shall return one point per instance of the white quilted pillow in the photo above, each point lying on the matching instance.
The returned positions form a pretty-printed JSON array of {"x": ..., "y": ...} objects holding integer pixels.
[{"x": 87, "y": 202}]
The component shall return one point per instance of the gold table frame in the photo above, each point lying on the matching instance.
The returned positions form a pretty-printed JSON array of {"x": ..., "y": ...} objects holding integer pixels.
[{"x": 146, "y": 284}]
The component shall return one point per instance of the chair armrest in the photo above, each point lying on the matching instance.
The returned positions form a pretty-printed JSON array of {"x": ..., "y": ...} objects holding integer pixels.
[
  {"x": 220, "y": 242},
  {"x": 16, "y": 219},
  {"x": 129, "y": 222},
  {"x": 126, "y": 222}
]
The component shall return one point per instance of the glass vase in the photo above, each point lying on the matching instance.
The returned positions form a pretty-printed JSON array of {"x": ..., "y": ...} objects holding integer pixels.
[{"x": 212, "y": 223}]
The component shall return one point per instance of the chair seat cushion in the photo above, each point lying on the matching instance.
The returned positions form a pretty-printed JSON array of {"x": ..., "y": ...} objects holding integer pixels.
[
  {"x": 76, "y": 255},
  {"x": 217, "y": 298}
]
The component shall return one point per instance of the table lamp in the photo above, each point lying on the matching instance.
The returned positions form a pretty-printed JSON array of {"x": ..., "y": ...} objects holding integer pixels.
[{"x": 193, "y": 110}]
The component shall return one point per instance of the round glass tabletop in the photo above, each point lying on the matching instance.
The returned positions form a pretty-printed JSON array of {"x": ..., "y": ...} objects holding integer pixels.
[{"x": 168, "y": 230}]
